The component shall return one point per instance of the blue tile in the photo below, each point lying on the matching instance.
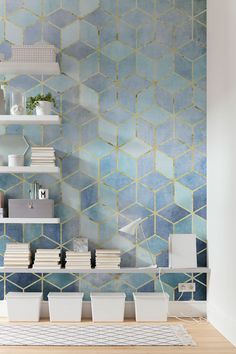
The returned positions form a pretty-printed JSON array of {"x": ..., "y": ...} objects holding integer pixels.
[
  {"x": 202, "y": 212},
  {"x": 154, "y": 180},
  {"x": 183, "y": 33},
  {"x": 126, "y": 164},
  {"x": 127, "y": 100},
  {"x": 117, "y": 180},
  {"x": 8, "y": 181},
  {"x": 184, "y": 99},
  {"x": 98, "y": 82},
  {"x": 165, "y": 131},
  {"x": 79, "y": 50},
  {"x": 184, "y": 5},
  {"x": 79, "y": 180},
  {"x": 61, "y": 18},
  {"x": 198, "y": 6},
  {"x": 136, "y": 211},
  {"x": 145, "y": 197},
  {"x": 173, "y": 148},
  {"x": 32, "y": 34},
  {"x": 146, "y": 34},
  {"x": 70, "y": 229},
  {"x": 127, "y": 34},
  {"x": 165, "y": 99},
  {"x": 183, "y": 67},
  {"x": 108, "y": 68},
  {"x": 183, "y": 164},
  {"x": 173, "y": 213},
  {"x": 193, "y": 50},
  {"x": 136, "y": 18},
  {"x": 145, "y": 164},
  {"x": 164, "y": 196},
  {"x": 146, "y": 6},
  {"x": 51, "y": 34},
  {"x": 117, "y": 115},
  {"x": 23, "y": 280},
  {"x": 89, "y": 196},
  {"x": 184, "y": 226},
  {"x": 200, "y": 163},
  {"x": 108, "y": 164},
  {"x": 13, "y": 5},
  {"x": 199, "y": 32},
  {"x": 192, "y": 180},
  {"x": 125, "y": 6},
  {"x": 99, "y": 213},
  {"x": 154, "y": 50},
  {"x": 98, "y": 18},
  {"x": 52, "y": 232},
  {"x": 199, "y": 198}
]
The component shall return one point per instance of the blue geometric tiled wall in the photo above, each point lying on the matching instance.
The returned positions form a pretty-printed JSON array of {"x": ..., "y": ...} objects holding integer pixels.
[{"x": 132, "y": 95}]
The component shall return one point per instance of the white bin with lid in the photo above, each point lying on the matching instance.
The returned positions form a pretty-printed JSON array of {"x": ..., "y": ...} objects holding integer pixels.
[
  {"x": 65, "y": 307},
  {"x": 24, "y": 306},
  {"x": 108, "y": 307},
  {"x": 151, "y": 307}
]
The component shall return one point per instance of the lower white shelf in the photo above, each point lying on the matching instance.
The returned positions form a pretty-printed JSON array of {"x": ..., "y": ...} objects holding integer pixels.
[
  {"x": 29, "y": 119},
  {"x": 29, "y": 221},
  {"x": 147, "y": 270},
  {"x": 30, "y": 169},
  {"x": 29, "y": 68}
]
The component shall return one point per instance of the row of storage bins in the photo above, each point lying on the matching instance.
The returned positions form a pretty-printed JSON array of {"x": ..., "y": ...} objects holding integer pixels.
[{"x": 106, "y": 307}]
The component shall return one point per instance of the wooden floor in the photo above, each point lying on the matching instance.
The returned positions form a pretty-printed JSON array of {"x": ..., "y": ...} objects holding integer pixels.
[{"x": 208, "y": 340}]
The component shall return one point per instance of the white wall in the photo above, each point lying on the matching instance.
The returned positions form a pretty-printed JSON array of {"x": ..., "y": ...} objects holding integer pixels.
[{"x": 222, "y": 165}]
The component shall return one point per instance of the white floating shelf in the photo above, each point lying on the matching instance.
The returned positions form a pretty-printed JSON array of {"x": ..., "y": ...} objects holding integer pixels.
[
  {"x": 29, "y": 68},
  {"x": 30, "y": 169},
  {"x": 100, "y": 271},
  {"x": 166, "y": 270},
  {"x": 29, "y": 221},
  {"x": 29, "y": 119}
]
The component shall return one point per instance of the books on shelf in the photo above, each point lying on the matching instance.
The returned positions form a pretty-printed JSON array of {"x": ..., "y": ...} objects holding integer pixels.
[
  {"x": 47, "y": 259},
  {"x": 107, "y": 259},
  {"x": 81, "y": 260},
  {"x": 43, "y": 156},
  {"x": 17, "y": 255}
]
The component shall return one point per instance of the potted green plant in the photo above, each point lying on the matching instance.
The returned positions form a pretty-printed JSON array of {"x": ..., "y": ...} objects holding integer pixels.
[{"x": 41, "y": 103}]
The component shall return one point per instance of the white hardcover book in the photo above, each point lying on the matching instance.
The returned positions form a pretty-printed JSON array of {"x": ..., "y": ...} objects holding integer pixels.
[{"x": 182, "y": 251}]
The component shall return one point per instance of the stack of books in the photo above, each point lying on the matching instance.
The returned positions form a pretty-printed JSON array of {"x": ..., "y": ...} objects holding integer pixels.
[
  {"x": 17, "y": 255},
  {"x": 107, "y": 259},
  {"x": 43, "y": 156},
  {"x": 47, "y": 259},
  {"x": 80, "y": 260}
]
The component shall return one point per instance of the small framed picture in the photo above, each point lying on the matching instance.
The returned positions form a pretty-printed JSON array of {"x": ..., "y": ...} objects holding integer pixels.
[{"x": 80, "y": 244}]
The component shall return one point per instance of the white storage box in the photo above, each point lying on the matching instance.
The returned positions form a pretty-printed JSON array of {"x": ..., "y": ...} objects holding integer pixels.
[
  {"x": 108, "y": 307},
  {"x": 151, "y": 307},
  {"x": 23, "y": 306},
  {"x": 65, "y": 307}
]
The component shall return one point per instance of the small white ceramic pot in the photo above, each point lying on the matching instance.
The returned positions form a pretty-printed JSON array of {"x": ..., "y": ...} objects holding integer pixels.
[
  {"x": 15, "y": 160},
  {"x": 43, "y": 108}
]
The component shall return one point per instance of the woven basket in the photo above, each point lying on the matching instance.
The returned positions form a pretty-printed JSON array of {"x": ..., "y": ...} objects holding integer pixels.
[{"x": 33, "y": 53}]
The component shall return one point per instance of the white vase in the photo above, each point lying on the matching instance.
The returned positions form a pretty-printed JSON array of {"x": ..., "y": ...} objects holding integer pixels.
[{"x": 43, "y": 108}]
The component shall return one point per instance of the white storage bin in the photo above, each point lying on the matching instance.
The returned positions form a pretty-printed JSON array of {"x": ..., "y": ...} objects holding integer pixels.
[
  {"x": 108, "y": 307},
  {"x": 151, "y": 307},
  {"x": 23, "y": 306},
  {"x": 65, "y": 306}
]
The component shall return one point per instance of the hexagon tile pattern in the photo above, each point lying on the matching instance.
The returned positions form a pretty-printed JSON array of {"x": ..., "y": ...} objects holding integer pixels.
[{"x": 132, "y": 96}]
